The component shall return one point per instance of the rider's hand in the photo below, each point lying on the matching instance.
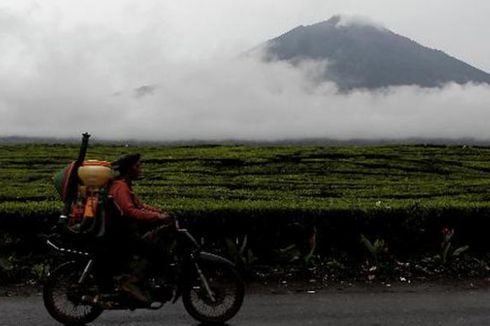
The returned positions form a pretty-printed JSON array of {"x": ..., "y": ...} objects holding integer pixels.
[{"x": 165, "y": 217}]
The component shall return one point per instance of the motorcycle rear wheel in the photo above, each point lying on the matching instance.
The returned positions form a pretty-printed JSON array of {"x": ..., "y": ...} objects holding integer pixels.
[
  {"x": 226, "y": 286},
  {"x": 62, "y": 296}
]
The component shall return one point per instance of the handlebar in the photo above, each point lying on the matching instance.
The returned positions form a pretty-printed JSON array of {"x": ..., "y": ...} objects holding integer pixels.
[{"x": 175, "y": 224}]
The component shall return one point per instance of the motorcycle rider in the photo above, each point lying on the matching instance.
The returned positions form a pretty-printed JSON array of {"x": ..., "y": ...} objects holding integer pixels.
[{"x": 124, "y": 225}]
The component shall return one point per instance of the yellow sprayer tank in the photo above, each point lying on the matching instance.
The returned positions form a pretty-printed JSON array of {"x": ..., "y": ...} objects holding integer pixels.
[{"x": 94, "y": 173}]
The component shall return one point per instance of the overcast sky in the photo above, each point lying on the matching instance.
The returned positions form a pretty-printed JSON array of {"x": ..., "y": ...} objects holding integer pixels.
[{"x": 168, "y": 70}]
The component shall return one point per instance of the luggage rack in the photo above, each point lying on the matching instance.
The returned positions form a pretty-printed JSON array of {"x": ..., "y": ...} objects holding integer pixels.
[{"x": 65, "y": 250}]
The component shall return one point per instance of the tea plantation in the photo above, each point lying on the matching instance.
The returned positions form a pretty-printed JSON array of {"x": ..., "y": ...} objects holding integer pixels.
[{"x": 200, "y": 179}]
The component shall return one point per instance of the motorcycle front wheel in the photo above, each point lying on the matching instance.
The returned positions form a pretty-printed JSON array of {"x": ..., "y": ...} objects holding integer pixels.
[
  {"x": 215, "y": 292},
  {"x": 62, "y": 296}
]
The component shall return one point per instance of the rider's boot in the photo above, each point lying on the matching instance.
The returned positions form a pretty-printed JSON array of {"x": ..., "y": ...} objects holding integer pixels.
[{"x": 129, "y": 284}]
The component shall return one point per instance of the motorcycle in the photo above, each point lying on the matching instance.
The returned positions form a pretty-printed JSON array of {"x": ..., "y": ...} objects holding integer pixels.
[{"x": 211, "y": 289}]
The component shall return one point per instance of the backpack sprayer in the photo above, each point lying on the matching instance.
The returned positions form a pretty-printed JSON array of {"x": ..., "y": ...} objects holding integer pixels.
[{"x": 83, "y": 187}]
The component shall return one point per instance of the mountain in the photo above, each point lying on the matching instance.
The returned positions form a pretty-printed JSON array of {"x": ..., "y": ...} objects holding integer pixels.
[{"x": 364, "y": 55}]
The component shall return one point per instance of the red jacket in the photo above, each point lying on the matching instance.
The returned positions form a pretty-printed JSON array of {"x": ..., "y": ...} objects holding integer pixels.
[{"x": 129, "y": 204}]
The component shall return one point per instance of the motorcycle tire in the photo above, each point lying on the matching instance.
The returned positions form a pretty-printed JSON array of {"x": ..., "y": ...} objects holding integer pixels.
[
  {"x": 227, "y": 287},
  {"x": 62, "y": 296}
]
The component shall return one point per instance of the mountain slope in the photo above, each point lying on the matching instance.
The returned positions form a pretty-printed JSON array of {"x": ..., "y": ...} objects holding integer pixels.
[{"x": 368, "y": 56}]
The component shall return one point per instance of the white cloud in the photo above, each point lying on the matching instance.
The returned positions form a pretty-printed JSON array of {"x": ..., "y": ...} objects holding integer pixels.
[{"x": 353, "y": 20}]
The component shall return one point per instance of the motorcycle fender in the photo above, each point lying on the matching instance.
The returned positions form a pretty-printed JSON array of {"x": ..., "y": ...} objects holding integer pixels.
[
  {"x": 203, "y": 256},
  {"x": 206, "y": 256}
]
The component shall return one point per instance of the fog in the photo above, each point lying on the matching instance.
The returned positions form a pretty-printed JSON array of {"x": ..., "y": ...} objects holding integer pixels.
[{"x": 239, "y": 98}]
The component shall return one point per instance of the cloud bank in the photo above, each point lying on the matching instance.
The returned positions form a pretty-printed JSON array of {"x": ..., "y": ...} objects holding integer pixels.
[{"x": 239, "y": 99}]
